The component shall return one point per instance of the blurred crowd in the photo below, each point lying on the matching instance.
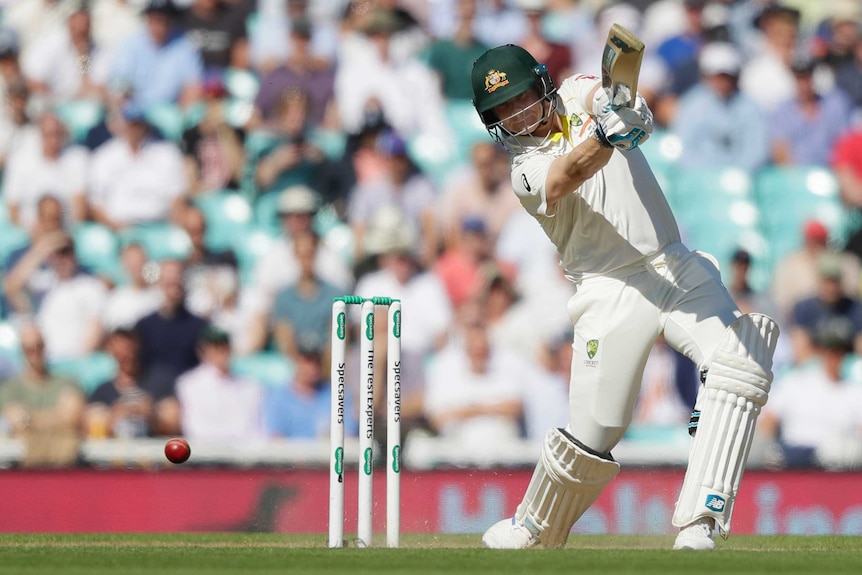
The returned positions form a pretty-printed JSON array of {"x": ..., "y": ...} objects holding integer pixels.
[{"x": 186, "y": 185}]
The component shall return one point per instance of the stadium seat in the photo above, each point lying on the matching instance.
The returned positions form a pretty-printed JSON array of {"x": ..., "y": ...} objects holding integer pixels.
[
  {"x": 168, "y": 119},
  {"x": 241, "y": 84},
  {"x": 268, "y": 368},
  {"x": 436, "y": 159},
  {"x": 161, "y": 241},
  {"x": 12, "y": 237},
  {"x": 10, "y": 345},
  {"x": 791, "y": 195},
  {"x": 89, "y": 371},
  {"x": 700, "y": 191},
  {"x": 227, "y": 214},
  {"x": 249, "y": 246},
  {"x": 266, "y": 212},
  {"x": 467, "y": 127},
  {"x": 97, "y": 248},
  {"x": 80, "y": 116}
]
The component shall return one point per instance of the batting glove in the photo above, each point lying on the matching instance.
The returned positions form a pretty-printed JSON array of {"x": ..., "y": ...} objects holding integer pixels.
[{"x": 626, "y": 128}]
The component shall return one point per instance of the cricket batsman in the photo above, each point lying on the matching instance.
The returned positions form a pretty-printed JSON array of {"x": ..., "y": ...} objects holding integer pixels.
[{"x": 577, "y": 169}]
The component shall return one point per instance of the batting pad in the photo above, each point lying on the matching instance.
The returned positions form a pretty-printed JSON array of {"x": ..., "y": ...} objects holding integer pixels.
[
  {"x": 567, "y": 480},
  {"x": 737, "y": 386}
]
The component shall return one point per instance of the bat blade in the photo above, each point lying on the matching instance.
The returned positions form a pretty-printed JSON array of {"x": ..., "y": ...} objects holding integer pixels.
[{"x": 621, "y": 64}]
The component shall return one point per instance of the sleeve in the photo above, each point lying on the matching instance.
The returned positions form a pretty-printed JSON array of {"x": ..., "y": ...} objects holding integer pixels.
[
  {"x": 78, "y": 160},
  {"x": 13, "y": 180},
  {"x": 529, "y": 174}
]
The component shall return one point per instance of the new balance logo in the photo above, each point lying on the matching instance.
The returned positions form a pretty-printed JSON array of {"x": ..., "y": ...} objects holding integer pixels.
[{"x": 715, "y": 503}]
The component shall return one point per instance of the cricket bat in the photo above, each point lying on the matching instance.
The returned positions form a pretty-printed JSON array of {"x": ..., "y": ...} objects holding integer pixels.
[{"x": 621, "y": 64}]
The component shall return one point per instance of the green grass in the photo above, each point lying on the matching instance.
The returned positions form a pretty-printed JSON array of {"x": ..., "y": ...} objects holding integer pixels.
[{"x": 264, "y": 554}]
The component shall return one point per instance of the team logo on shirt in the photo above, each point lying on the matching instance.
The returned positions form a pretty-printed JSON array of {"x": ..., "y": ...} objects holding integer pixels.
[
  {"x": 495, "y": 79},
  {"x": 592, "y": 348},
  {"x": 575, "y": 120}
]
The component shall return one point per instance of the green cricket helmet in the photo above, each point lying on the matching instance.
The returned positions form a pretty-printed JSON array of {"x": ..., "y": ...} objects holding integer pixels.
[{"x": 502, "y": 73}]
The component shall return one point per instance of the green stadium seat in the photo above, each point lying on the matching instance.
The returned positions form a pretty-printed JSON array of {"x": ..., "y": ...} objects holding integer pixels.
[
  {"x": 791, "y": 195},
  {"x": 433, "y": 157},
  {"x": 97, "y": 248},
  {"x": 89, "y": 371},
  {"x": 161, "y": 241},
  {"x": 12, "y": 237},
  {"x": 269, "y": 368},
  {"x": 10, "y": 344},
  {"x": 266, "y": 212},
  {"x": 168, "y": 119},
  {"x": 227, "y": 214},
  {"x": 466, "y": 126},
  {"x": 700, "y": 191},
  {"x": 241, "y": 84},
  {"x": 249, "y": 246},
  {"x": 80, "y": 116}
]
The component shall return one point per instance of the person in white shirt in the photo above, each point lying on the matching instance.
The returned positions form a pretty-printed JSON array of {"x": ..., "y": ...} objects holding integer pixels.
[
  {"x": 130, "y": 302},
  {"x": 70, "y": 314},
  {"x": 49, "y": 168},
  {"x": 215, "y": 405},
  {"x": 297, "y": 206},
  {"x": 135, "y": 179},
  {"x": 576, "y": 168}
]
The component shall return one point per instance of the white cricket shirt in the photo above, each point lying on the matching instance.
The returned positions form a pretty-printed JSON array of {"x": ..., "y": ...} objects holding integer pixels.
[{"x": 613, "y": 219}]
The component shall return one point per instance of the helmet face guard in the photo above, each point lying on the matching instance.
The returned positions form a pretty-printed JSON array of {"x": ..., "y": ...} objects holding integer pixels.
[
  {"x": 507, "y": 136},
  {"x": 504, "y": 73}
]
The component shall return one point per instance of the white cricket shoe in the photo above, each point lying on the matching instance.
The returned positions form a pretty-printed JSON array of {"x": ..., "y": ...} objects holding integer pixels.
[
  {"x": 509, "y": 534},
  {"x": 696, "y": 536}
]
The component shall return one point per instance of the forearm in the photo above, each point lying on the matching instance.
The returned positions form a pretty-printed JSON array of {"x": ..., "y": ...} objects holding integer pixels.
[{"x": 567, "y": 173}]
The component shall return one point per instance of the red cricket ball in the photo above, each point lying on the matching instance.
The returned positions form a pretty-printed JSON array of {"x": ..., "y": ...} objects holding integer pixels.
[{"x": 177, "y": 450}]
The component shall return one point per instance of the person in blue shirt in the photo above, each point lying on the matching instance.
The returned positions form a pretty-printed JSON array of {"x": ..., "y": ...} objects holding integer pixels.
[
  {"x": 158, "y": 65},
  {"x": 719, "y": 126},
  {"x": 300, "y": 408}
]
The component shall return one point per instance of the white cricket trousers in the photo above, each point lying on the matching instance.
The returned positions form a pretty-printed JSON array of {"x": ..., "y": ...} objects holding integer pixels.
[{"x": 618, "y": 317}]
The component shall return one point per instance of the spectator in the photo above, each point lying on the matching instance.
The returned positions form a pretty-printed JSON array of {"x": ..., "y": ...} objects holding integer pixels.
[
  {"x": 297, "y": 206},
  {"x": 403, "y": 186},
  {"x": 51, "y": 168},
  {"x": 270, "y": 40},
  {"x": 295, "y": 159},
  {"x": 557, "y": 57},
  {"x": 208, "y": 272},
  {"x": 217, "y": 29},
  {"x": 391, "y": 241},
  {"x": 158, "y": 65},
  {"x": 796, "y": 274},
  {"x": 804, "y": 130},
  {"x": 474, "y": 392},
  {"x": 213, "y": 147},
  {"x": 66, "y": 64},
  {"x": 169, "y": 336},
  {"x": 42, "y": 409},
  {"x": 497, "y": 22},
  {"x": 381, "y": 82},
  {"x": 848, "y": 78},
  {"x": 483, "y": 190},
  {"x": 216, "y": 405},
  {"x": 847, "y": 166},
  {"x": 767, "y": 78},
  {"x": 16, "y": 130},
  {"x": 452, "y": 58},
  {"x": 138, "y": 297},
  {"x": 546, "y": 398},
  {"x": 707, "y": 139},
  {"x": 830, "y": 303},
  {"x": 840, "y": 33},
  {"x": 813, "y": 407},
  {"x": 70, "y": 313},
  {"x": 303, "y": 309},
  {"x": 662, "y": 401},
  {"x": 746, "y": 298},
  {"x": 302, "y": 71},
  {"x": 114, "y": 21},
  {"x": 300, "y": 409},
  {"x": 134, "y": 178},
  {"x": 27, "y": 271},
  {"x": 459, "y": 266},
  {"x": 122, "y": 407}
]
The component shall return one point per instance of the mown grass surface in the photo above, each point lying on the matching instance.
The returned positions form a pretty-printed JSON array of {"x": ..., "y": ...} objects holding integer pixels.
[{"x": 229, "y": 554}]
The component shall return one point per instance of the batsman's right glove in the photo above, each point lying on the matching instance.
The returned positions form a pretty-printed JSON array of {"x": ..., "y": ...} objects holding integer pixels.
[{"x": 625, "y": 128}]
